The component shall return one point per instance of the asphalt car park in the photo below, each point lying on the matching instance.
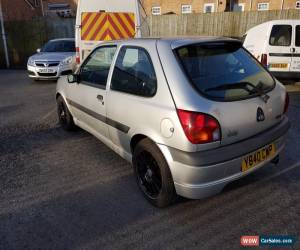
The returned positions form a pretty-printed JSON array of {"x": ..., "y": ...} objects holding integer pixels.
[{"x": 62, "y": 190}]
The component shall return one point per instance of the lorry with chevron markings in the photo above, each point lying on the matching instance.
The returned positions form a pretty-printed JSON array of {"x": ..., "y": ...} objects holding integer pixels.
[{"x": 104, "y": 20}]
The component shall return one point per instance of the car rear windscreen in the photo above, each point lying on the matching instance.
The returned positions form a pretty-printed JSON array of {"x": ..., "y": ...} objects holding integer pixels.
[{"x": 224, "y": 71}]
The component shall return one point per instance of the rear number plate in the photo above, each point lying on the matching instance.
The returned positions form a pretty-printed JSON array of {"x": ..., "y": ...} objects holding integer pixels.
[
  {"x": 279, "y": 65},
  {"x": 258, "y": 156}
]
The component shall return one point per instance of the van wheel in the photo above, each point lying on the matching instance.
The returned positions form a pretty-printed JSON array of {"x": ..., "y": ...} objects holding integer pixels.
[
  {"x": 153, "y": 174},
  {"x": 64, "y": 116}
]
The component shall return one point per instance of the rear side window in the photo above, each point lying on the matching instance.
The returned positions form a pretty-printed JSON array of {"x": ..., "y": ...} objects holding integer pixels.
[
  {"x": 281, "y": 35},
  {"x": 224, "y": 71},
  {"x": 134, "y": 72},
  {"x": 297, "y": 41}
]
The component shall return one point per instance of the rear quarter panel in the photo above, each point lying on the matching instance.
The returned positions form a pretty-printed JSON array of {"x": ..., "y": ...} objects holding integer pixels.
[{"x": 144, "y": 115}]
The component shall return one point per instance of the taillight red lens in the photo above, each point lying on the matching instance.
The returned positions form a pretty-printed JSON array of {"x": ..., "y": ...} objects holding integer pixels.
[
  {"x": 199, "y": 128},
  {"x": 264, "y": 60},
  {"x": 287, "y": 103},
  {"x": 77, "y": 55}
]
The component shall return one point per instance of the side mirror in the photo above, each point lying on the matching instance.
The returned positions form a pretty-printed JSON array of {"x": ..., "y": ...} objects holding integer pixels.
[
  {"x": 38, "y": 50},
  {"x": 72, "y": 78}
]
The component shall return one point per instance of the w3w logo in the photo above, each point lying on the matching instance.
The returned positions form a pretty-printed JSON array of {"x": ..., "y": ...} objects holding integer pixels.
[{"x": 250, "y": 241}]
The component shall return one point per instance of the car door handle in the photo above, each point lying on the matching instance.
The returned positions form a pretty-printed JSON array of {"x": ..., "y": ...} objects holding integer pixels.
[
  {"x": 100, "y": 98},
  {"x": 293, "y": 50}
]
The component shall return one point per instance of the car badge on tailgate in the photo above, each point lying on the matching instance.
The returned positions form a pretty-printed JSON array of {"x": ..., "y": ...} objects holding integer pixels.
[{"x": 260, "y": 116}]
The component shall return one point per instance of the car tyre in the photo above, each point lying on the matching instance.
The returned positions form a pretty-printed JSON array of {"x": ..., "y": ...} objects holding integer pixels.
[
  {"x": 64, "y": 116},
  {"x": 152, "y": 174}
]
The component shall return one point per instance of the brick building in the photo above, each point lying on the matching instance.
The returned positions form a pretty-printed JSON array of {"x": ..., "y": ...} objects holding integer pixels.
[
  {"x": 253, "y": 5},
  {"x": 32, "y": 9},
  {"x": 160, "y": 7}
]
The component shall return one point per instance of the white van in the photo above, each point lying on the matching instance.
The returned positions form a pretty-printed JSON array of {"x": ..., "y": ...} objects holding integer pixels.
[
  {"x": 103, "y": 20},
  {"x": 276, "y": 44}
]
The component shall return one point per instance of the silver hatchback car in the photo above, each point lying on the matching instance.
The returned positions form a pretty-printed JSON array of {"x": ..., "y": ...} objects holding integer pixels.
[{"x": 191, "y": 115}]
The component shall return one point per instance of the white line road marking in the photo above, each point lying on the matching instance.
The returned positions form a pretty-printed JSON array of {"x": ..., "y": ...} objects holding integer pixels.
[
  {"x": 296, "y": 165},
  {"x": 48, "y": 114}
]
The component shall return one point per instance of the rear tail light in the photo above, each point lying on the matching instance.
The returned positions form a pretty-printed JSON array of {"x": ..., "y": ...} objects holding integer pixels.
[
  {"x": 287, "y": 102},
  {"x": 199, "y": 128},
  {"x": 264, "y": 60},
  {"x": 77, "y": 55}
]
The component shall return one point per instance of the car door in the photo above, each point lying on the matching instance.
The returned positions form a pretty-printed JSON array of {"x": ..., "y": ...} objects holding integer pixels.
[
  {"x": 88, "y": 97},
  {"x": 280, "y": 48},
  {"x": 295, "y": 66},
  {"x": 133, "y": 84}
]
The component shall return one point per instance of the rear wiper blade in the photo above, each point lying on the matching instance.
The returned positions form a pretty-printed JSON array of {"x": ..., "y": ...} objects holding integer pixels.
[{"x": 242, "y": 85}]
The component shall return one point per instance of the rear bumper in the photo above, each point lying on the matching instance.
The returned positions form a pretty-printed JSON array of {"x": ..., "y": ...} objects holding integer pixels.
[{"x": 201, "y": 174}]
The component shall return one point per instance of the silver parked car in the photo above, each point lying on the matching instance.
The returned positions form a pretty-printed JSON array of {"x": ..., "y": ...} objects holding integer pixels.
[
  {"x": 191, "y": 115},
  {"x": 56, "y": 58}
]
